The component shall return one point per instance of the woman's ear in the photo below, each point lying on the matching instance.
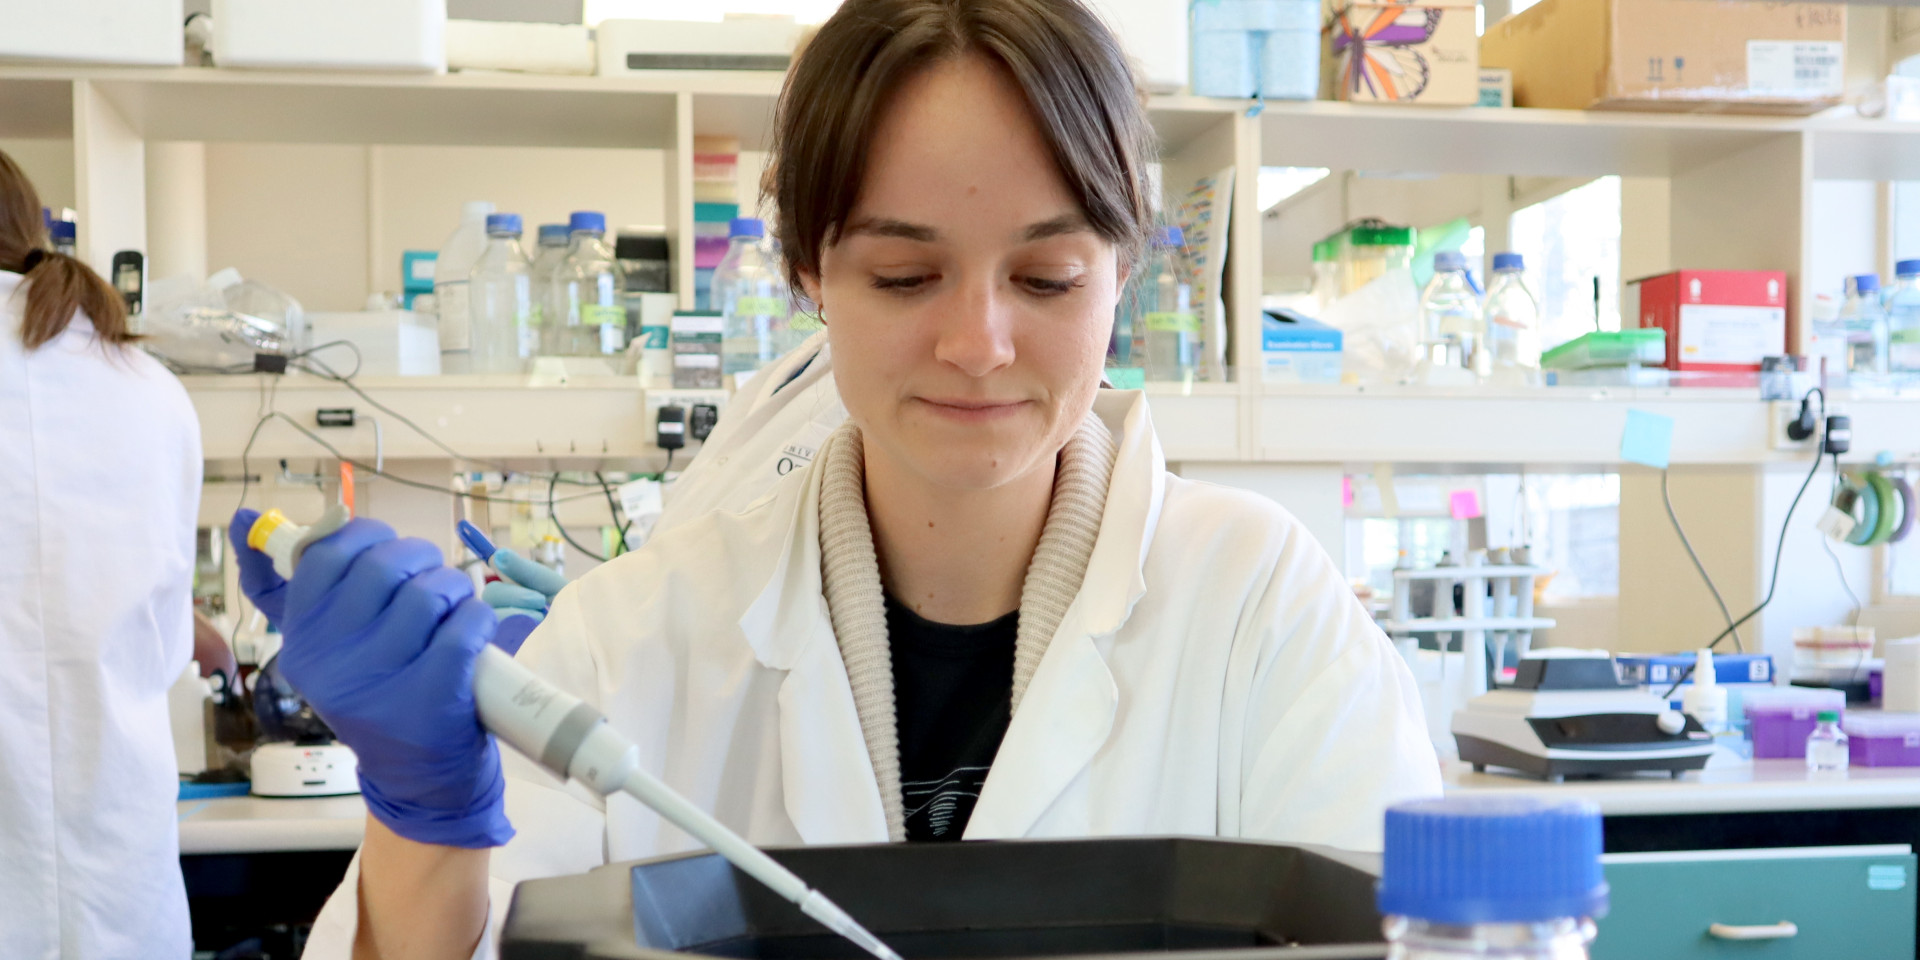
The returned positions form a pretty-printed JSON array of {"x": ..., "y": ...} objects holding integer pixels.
[{"x": 810, "y": 285}]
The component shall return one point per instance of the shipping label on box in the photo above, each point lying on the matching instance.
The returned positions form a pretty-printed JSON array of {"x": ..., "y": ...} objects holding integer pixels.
[
  {"x": 1747, "y": 57},
  {"x": 1404, "y": 53},
  {"x": 1724, "y": 320}
]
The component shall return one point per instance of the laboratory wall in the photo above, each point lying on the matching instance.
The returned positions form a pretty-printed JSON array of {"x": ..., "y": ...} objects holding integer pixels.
[
  {"x": 328, "y": 223},
  {"x": 49, "y": 164}
]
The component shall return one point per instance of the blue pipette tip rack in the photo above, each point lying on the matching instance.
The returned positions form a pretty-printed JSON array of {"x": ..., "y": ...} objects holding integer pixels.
[{"x": 476, "y": 541}]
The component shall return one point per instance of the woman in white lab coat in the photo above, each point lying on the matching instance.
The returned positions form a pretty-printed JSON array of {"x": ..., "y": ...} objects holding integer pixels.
[
  {"x": 980, "y": 608},
  {"x": 99, "y": 495}
]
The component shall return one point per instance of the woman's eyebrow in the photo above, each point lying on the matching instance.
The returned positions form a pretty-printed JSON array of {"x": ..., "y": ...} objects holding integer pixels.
[
  {"x": 888, "y": 227},
  {"x": 1065, "y": 223}
]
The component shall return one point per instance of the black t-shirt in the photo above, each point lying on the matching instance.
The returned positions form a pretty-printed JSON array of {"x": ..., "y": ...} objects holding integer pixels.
[{"x": 953, "y": 698}]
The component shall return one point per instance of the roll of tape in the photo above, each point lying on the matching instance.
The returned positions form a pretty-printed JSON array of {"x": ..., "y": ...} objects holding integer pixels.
[
  {"x": 1889, "y": 508},
  {"x": 1905, "y": 490},
  {"x": 1868, "y": 513}
]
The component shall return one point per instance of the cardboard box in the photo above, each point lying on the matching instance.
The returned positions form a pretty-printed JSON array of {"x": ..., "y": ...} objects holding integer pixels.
[
  {"x": 1381, "y": 52},
  {"x": 1716, "y": 320},
  {"x": 1678, "y": 55}
]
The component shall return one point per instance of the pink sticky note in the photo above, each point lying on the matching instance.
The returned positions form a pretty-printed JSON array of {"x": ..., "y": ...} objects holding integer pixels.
[
  {"x": 1346, "y": 491},
  {"x": 1465, "y": 504}
]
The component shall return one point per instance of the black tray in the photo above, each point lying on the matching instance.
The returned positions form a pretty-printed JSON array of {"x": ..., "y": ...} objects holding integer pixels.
[{"x": 1205, "y": 899}]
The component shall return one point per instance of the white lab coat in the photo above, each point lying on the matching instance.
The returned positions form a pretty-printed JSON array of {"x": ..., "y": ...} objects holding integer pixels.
[
  {"x": 99, "y": 496},
  {"x": 772, "y": 427},
  {"x": 1214, "y": 676}
]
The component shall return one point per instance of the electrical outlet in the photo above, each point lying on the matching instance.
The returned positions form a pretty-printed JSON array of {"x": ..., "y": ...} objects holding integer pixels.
[
  {"x": 1786, "y": 412},
  {"x": 684, "y": 399}
]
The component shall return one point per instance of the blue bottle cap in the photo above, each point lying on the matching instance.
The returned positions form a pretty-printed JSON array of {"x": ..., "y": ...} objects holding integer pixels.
[
  {"x": 1906, "y": 268},
  {"x": 503, "y": 224},
  {"x": 1170, "y": 237},
  {"x": 65, "y": 230},
  {"x": 745, "y": 227},
  {"x": 1463, "y": 860},
  {"x": 1509, "y": 261},
  {"x": 554, "y": 233},
  {"x": 587, "y": 221},
  {"x": 1866, "y": 283},
  {"x": 1449, "y": 260}
]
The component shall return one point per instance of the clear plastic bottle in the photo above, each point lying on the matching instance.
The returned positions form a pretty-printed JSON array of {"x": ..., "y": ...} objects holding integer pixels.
[
  {"x": 1866, "y": 324},
  {"x": 1473, "y": 877},
  {"x": 450, "y": 272},
  {"x": 754, "y": 303},
  {"x": 1903, "y": 320},
  {"x": 500, "y": 295},
  {"x": 1827, "y": 744},
  {"x": 595, "y": 321},
  {"x": 1167, "y": 314},
  {"x": 544, "y": 274},
  {"x": 1326, "y": 272},
  {"x": 1453, "y": 331},
  {"x": 1513, "y": 323}
]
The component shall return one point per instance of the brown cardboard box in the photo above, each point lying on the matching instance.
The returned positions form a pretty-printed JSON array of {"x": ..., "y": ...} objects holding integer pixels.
[
  {"x": 1386, "y": 52},
  {"x": 1682, "y": 55}
]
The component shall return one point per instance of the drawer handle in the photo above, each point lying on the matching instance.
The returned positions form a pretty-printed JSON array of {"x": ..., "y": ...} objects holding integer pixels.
[{"x": 1769, "y": 931}]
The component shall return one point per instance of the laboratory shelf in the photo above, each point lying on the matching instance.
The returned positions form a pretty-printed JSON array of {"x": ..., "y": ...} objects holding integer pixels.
[
  {"x": 520, "y": 419},
  {"x": 638, "y": 110}
]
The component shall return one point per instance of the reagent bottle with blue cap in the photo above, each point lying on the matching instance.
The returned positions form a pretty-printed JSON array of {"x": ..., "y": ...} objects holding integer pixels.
[{"x": 1477, "y": 877}]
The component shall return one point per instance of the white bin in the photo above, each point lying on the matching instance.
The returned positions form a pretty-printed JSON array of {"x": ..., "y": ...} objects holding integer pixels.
[
  {"x": 399, "y": 35},
  {"x": 146, "y": 32}
]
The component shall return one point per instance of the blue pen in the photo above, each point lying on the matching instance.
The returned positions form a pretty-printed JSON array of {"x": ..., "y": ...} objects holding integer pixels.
[{"x": 476, "y": 541}]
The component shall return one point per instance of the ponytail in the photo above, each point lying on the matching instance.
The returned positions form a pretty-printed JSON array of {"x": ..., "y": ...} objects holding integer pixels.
[{"x": 57, "y": 285}]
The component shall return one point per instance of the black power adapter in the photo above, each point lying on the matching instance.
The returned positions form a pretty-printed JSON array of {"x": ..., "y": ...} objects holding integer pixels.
[{"x": 670, "y": 428}]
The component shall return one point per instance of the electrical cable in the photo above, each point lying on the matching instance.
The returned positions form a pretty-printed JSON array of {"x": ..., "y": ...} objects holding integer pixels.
[
  {"x": 554, "y": 515},
  {"x": 246, "y": 474},
  {"x": 1779, "y": 548},
  {"x": 613, "y": 508},
  {"x": 1667, "y": 498},
  {"x": 327, "y": 372}
]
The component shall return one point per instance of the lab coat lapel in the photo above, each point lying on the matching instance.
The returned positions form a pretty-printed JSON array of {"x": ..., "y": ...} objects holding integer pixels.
[
  {"x": 827, "y": 780},
  {"x": 1069, "y": 709}
]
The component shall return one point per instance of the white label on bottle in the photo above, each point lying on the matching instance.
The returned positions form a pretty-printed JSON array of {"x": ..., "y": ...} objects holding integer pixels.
[
  {"x": 1715, "y": 333},
  {"x": 456, "y": 328},
  {"x": 1794, "y": 69}
]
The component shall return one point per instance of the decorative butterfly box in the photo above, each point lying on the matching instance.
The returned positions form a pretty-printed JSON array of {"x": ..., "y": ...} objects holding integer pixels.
[{"x": 1402, "y": 52}]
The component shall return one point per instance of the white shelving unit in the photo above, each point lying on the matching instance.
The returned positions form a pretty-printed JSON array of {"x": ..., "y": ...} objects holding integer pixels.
[{"x": 1738, "y": 195}]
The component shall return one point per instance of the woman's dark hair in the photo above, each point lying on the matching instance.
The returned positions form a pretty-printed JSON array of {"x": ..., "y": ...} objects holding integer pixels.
[
  {"x": 1063, "y": 58},
  {"x": 57, "y": 284}
]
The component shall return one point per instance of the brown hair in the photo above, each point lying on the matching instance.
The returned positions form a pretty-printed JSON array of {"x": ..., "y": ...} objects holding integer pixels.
[
  {"x": 59, "y": 284},
  {"x": 1063, "y": 58}
]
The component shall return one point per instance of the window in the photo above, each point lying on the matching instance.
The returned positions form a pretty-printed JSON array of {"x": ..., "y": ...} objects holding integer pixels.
[
  {"x": 1568, "y": 241},
  {"x": 1279, "y": 183},
  {"x": 1570, "y": 522}
]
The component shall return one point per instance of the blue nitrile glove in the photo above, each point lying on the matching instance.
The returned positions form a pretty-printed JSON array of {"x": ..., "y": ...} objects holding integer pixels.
[
  {"x": 521, "y": 600},
  {"x": 258, "y": 580},
  {"x": 381, "y": 638}
]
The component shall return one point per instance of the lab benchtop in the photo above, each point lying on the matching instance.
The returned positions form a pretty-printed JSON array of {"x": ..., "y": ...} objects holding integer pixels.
[
  {"x": 262, "y": 825},
  {"x": 1727, "y": 785}
]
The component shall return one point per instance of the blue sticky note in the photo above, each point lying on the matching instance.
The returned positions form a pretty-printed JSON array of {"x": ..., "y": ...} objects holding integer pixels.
[
  {"x": 1648, "y": 439},
  {"x": 1127, "y": 378}
]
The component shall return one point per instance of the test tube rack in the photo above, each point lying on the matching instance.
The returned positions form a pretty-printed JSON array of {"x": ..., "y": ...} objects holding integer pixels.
[{"x": 1504, "y": 618}]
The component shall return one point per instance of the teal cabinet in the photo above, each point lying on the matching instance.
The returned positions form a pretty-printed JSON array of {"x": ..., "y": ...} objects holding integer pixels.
[{"x": 1856, "y": 903}]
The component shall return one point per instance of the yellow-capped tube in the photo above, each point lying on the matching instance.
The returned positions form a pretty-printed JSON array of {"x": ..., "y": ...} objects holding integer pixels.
[{"x": 283, "y": 540}]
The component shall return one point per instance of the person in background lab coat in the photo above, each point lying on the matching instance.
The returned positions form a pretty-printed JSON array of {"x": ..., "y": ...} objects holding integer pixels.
[
  {"x": 981, "y": 608},
  {"x": 99, "y": 496}
]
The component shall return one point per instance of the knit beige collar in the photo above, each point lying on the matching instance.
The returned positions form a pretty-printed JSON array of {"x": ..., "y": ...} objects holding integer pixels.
[{"x": 850, "y": 579}]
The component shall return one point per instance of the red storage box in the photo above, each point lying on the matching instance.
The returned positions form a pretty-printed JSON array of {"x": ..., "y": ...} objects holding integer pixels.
[{"x": 1721, "y": 321}]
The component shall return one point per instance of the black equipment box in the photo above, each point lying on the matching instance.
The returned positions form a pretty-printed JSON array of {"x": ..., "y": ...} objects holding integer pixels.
[{"x": 1205, "y": 899}]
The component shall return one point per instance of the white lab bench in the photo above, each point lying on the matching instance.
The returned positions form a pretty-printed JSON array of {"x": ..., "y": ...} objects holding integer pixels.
[
  {"x": 261, "y": 868},
  {"x": 223, "y": 825},
  {"x": 1815, "y": 864}
]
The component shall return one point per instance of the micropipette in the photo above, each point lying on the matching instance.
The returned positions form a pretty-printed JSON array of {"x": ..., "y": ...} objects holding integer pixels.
[{"x": 571, "y": 739}]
